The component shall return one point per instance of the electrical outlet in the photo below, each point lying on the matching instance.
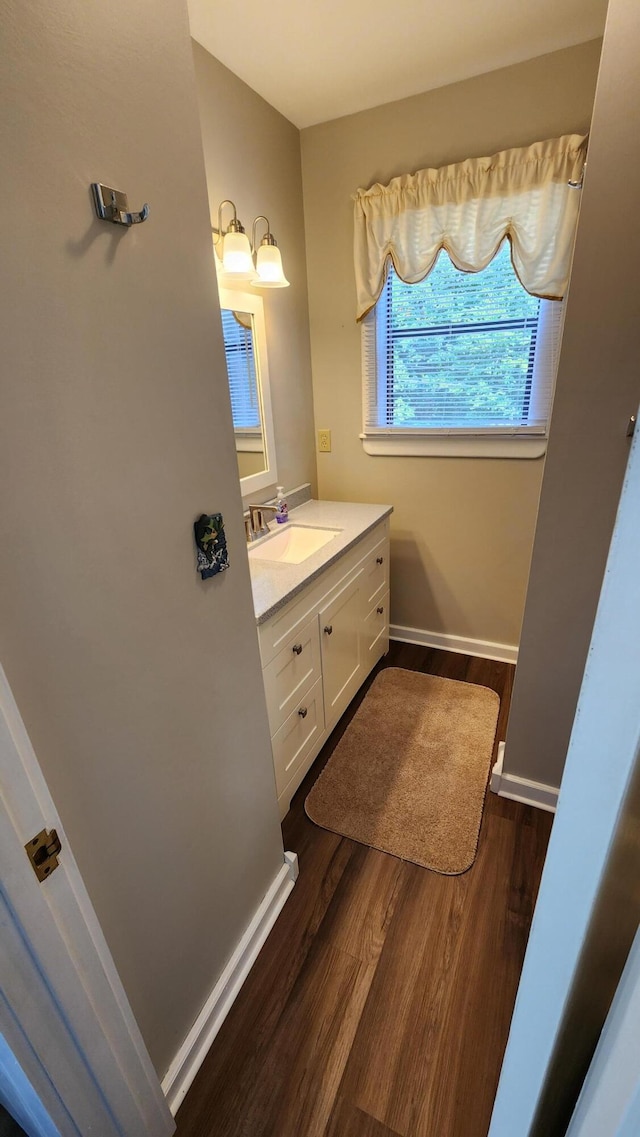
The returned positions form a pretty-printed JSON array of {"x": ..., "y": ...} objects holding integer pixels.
[{"x": 324, "y": 441}]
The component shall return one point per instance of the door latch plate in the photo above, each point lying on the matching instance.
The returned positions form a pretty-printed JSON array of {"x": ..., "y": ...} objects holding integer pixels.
[{"x": 42, "y": 850}]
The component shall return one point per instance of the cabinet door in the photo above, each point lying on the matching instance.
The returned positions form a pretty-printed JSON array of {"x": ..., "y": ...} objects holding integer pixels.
[{"x": 341, "y": 641}]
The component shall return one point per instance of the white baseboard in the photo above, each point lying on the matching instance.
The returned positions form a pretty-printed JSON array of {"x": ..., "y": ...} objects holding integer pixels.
[
  {"x": 505, "y": 653},
  {"x": 196, "y": 1045},
  {"x": 521, "y": 789}
]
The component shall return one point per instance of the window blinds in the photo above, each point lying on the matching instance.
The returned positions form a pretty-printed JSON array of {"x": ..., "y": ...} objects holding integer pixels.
[
  {"x": 241, "y": 368},
  {"x": 460, "y": 354}
]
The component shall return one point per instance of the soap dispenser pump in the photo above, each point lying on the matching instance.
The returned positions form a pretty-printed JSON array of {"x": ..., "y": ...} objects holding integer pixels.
[{"x": 282, "y": 509}]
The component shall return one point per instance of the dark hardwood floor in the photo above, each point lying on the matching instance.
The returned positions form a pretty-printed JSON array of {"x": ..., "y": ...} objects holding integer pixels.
[{"x": 380, "y": 1004}]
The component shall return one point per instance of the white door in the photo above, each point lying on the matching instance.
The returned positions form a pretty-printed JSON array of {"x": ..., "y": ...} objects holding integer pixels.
[
  {"x": 609, "y": 1105},
  {"x": 594, "y": 807},
  {"x": 64, "y": 1016}
]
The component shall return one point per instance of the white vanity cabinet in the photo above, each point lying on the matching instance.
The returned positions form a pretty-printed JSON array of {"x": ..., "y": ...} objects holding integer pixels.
[{"x": 318, "y": 649}]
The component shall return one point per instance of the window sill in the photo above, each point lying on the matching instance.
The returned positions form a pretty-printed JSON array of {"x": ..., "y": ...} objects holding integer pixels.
[
  {"x": 451, "y": 446},
  {"x": 249, "y": 442}
]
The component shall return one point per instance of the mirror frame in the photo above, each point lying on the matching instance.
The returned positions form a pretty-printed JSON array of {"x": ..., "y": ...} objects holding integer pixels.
[{"x": 233, "y": 299}]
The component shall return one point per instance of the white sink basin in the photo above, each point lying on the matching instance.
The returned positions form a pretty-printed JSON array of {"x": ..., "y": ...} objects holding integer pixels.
[{"x": 292, "y": 543}]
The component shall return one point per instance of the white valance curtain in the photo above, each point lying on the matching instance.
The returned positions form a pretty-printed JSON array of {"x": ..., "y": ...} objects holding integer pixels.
[{"x": 468, "y": 209}]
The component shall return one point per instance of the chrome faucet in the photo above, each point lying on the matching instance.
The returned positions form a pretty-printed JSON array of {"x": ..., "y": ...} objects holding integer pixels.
[{"x": 254, "y": 523}]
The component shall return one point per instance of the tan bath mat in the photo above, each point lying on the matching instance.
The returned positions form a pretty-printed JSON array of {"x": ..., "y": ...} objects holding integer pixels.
[{"x": 410, "y": 772}]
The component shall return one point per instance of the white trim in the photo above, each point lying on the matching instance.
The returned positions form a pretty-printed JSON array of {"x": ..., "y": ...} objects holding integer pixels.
[
  {"x": 450, "y": 446},
  {"x": 196, "y": 1045},
  {"x": 522, "y": 789},
  {"x": 485, "y": 649},
  {"x": 20, "y": 1098},
  {"x": 249, "y": 441},
  {"x": 235, "y": 300}
]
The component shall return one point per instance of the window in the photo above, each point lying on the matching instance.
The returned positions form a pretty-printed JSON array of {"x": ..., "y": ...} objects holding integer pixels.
[{"x": 461, "y": 362}]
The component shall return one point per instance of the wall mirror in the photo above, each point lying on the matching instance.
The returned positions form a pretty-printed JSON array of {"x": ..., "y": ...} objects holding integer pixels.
[{"x": 245, "y": 348}]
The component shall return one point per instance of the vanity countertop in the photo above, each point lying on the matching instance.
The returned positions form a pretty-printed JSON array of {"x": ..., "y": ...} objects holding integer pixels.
[{"x": 274, "y": 583}]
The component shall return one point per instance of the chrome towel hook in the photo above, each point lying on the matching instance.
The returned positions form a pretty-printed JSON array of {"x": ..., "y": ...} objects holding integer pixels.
[{"x": 112, "y": 205}]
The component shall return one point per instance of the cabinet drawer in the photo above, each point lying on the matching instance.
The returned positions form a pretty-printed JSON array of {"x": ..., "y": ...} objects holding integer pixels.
[
  {"x": 292, "y": 673},
  {"x": 376, "y": 574},
  {"x": 376, "y": 633},
  {"x": 297, "y": 736}
]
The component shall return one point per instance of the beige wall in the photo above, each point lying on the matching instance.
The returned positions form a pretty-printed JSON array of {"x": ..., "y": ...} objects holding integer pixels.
[
  {"x": 252, "y": 155},
  {"x": 463, "y": 528},
  {"x": 598, "y": 389},
  {"x": 133, "y": 676}
]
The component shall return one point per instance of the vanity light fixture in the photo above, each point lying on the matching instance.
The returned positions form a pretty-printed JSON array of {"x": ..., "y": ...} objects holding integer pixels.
[
  {"x": 268, "y": 259},
  {"x": 235, "y": 255}
]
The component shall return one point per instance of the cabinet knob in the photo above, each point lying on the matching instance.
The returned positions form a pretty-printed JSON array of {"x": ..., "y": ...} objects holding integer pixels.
[
  {"x": 303, "y": 712},
  {"x": 379, "y": 560},
  {"x": 380, "y": 610},
  {"x": 297, "y": 648},
  {"x": 328, "y": 629}
]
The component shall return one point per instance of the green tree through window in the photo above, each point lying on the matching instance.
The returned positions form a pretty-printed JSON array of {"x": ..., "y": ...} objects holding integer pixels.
[{"x": 460, "y": 348}]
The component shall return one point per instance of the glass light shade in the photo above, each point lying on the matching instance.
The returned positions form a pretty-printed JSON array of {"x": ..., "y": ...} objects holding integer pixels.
[
  {"x": 269, "y": 266},
  {"x": 237, "y": 261}
]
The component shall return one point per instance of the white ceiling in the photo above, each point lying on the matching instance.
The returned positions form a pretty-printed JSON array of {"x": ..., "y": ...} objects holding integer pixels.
[{"x": 316, "y": 60}]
